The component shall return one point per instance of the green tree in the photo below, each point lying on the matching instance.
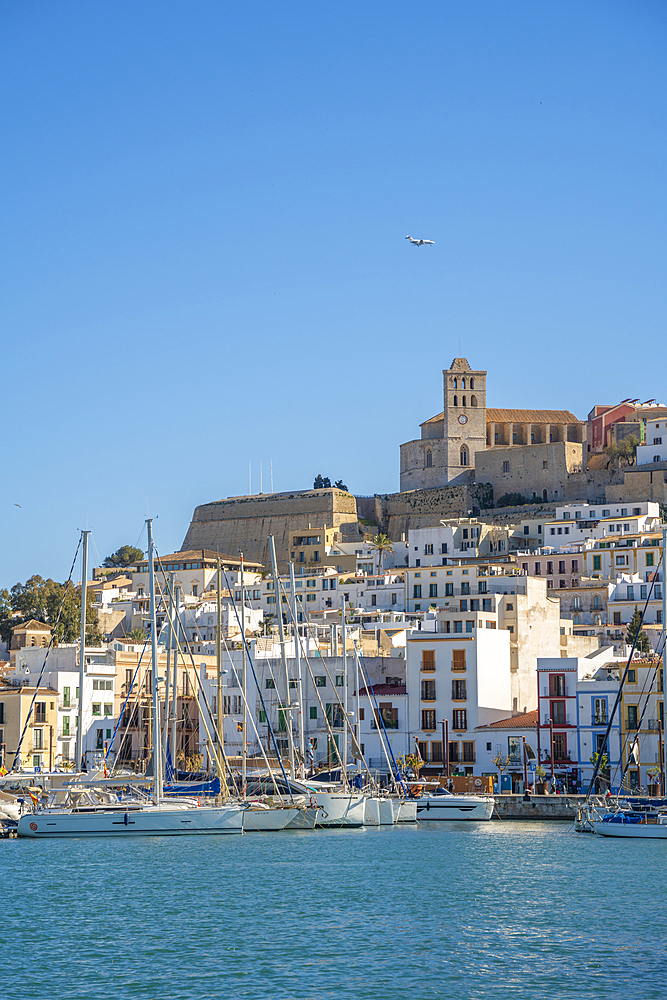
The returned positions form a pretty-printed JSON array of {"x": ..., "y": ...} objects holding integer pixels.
[
  {"x": 42, "y": 599},
  {"x": 635, "y": 629},
  {"x": 137, "y": 635},
  {"x": 513, "y": 500},
  {"x": 340, "y": 485},
  {"x": 381, "y": 544},
  {"x": 321, "y": 482},
  {"x": 5, "y": 616},
  {"x": 126, "y": 555}
]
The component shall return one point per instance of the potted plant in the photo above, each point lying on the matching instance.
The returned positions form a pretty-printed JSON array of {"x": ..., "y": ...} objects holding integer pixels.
[{"x": 540, "y": 775}]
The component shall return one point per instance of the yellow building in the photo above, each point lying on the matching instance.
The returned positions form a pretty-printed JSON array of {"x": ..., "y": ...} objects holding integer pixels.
[
  {"x": 308, "y": 550},
  {"x": 640, "y": 723},
  {"x": 39, "y": 744}
]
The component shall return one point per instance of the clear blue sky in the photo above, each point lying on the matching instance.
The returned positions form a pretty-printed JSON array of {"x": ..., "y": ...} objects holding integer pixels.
[{"x": 203, "y": 263}]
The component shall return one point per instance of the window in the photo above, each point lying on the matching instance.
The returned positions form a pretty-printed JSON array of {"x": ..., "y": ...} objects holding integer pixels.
[
  {"x": 558, "y": 713},
  {"x": 429, "y": 458},
  {"x": 597, "y": 562},
  {"x": 556, "y": 685},
  {"x": 66, "y": 699},
  {"x": 458, "y": 659},
  {"x": 633, "y": 716},
  {"x": 339, "y": 680},
  {"x": 313, "y": 711},
  {"x": 526, "y": 529},
  {"x": 428, "y": 691},
  {"x": 510, "y": 607},
  {"x": 463, "y": 456},
  {"x": 433, "y": 590},
  {"x": 428, "y": 719},
  {"x": 545, "y": 465},
  {"x": 460, "y": 719},
  {"x": 458, "y": 690},
  {"x": 428, "y": 659},
  {"x": 599, "y": 711},
  {"x": 538, "y": 569},
  {"x": 560, "y": 746},
  {"x": 473, "y": 399},
  {"x": 66, "y": 722},
  {"x": 417, "y": 590},
  {"x": 262, "y": 715},
  {"x": 97, "y": 708},
  {"x": 561, "y": 566},
  {"x": 269, "y": 684},
  {"x": 632, "y": 676},
  {"x": 38, "y": 739},
  {"x": 449, "y": 590},
  {"x": 649, "y": 559},
  {"x": 458, "y": 626},
  {"x": 428, "y": 550},
  {"x": 320, "y": 681},
  {"x": 108, "y": 708},
  {"x": 506, "y": 466},
  {"x": 468, "y": 751},
  {"x": 550, "y": 568},
  {"x": 311, "y": 597}
]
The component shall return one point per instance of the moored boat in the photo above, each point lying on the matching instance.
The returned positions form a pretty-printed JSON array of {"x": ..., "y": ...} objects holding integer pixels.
[{"x": 443, "y": 805}]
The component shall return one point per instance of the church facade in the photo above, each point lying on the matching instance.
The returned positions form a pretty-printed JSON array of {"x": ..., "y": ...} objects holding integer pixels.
[{"x": 445, "y": 452}]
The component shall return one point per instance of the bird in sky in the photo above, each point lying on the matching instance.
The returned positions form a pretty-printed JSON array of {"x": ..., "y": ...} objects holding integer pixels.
[
  {"x": 17, "y": 504},
  {"x": 420, "y": 243}
]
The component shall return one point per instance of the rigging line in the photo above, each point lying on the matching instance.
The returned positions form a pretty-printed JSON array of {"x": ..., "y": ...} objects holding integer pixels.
[
  {"x": 605, "y": 741},
  {"x": 297, "y": 638},
  {"x": 254, "y": 674},
  {"x": 250, "y": 715},
  {"x": 120, "y": 714},
  {"x": 212, "y": 743},
  {"x": 639, "y": 722},
  {"x": 397, "y": 775},
  {"x": 17, "y": 755}
]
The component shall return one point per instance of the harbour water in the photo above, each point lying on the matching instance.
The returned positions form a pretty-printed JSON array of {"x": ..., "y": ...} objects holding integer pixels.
[{"x": 464, "y": 911}]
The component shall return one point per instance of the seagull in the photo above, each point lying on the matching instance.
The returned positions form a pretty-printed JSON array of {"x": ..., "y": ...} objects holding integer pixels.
[
  {"x": 17, "y": 504},
  {"x": 420, "y": 243}
]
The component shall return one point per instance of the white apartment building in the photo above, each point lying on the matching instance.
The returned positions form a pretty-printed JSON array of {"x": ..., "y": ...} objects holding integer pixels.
[
  {"x": 62, "y": 674},
  {"x": 655, "y": 449}
]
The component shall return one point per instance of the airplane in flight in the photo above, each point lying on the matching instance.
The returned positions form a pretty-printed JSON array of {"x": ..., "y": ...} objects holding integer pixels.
[{"x": 420, "y": 243}]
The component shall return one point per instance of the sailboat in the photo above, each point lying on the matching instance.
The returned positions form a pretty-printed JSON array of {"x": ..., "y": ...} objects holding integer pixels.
[
  {"x": 625, "y": 819},
  {"x": 99, "y": 814}
]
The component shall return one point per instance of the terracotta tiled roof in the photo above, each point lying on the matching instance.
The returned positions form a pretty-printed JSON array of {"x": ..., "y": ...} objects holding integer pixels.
[
  {"x": 32, "y": 626},
  {"x": 383, "y": 689},
  {"x": 526, "y": 721},
  {"x": 531, "y": 416},
  {"x": 433, "y": 420}
]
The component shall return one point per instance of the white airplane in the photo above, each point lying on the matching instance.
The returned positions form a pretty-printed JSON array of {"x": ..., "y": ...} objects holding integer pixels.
[{"x": 420, "y": 243}]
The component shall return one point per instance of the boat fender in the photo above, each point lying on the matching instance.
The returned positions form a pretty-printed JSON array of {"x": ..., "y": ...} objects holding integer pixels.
[
  {"x": 127, "y": 819},
  {"x": 428, "y": 805}
]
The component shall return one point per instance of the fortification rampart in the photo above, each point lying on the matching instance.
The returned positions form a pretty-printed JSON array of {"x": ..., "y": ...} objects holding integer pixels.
[{"x": 245, "y": 523}]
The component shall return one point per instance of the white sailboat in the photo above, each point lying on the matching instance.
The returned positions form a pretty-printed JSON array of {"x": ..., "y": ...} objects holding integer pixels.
[
  {"x": 99, "y": 817},
  {"x": 442, "y": 805}
]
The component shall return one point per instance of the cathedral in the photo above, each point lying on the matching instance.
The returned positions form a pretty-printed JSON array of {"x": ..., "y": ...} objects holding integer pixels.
[{"x": 445, "y": 452}]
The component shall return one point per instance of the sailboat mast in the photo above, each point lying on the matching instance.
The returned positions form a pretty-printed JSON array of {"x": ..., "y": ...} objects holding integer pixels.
[
  {"x": 664, "y": 645},
  {"x": 82, "y": 646},
  {"x": 287, "y": 714},
  {"x": 244, "y": 689},
  {"x": 344, "y": 753},
  {"x": 297, "y": 663},
  {"x": 174, "y": 697},
  {"x": 218, "y": 671},
  {"x": 155, "y": 735},
  {"x": 167, "y": 690}
]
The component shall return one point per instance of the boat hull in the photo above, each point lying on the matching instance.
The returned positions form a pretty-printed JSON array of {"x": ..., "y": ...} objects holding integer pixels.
[
  {"x": 265, "y": 820},
  {"x": 380, "y": 812},
  {"x": 407, "y": 811},
  {"x": 146, "y": 822},
  {"x": 636, "y": 831},
  {"x": 305, "y": 819},
  {"x": 340, "y": 809},
  {"x": 454, "y": 807}
]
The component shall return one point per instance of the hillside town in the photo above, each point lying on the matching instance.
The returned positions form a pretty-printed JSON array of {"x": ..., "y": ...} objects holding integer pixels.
[{"x": 483, "y": 616}]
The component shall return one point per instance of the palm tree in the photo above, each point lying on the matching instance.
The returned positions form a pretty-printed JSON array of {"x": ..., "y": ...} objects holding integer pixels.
[{"x": 381, "y": 544}]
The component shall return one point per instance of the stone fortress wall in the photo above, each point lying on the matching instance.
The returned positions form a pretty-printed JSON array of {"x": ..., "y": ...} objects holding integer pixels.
[{"x": 243, "y": 524}]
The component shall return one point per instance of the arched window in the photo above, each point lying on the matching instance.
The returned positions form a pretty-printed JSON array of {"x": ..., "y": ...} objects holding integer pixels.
[
  {"x": 473, "y": 400},
  {"x": 464, "y": 455},
  {"x": 596, "y": 601},
  {"x": 577, "y": 620},
  {"x": 456, "y": 400},
  {"x": 463, "y": 383},
  {"x": 576, "y": 602},
  {"x": 464, "y": 401},
  {"x": 472, "y": 383},
  {"x": 455, "y": 385},
  {"x": 429, "y": 458}
]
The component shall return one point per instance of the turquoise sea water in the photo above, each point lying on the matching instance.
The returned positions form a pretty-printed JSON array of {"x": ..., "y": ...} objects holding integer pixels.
[{"x": 489, "y": 910}]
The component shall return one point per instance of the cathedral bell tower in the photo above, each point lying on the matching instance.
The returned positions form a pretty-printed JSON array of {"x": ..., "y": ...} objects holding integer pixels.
[{"x": 464, "y": 416}]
